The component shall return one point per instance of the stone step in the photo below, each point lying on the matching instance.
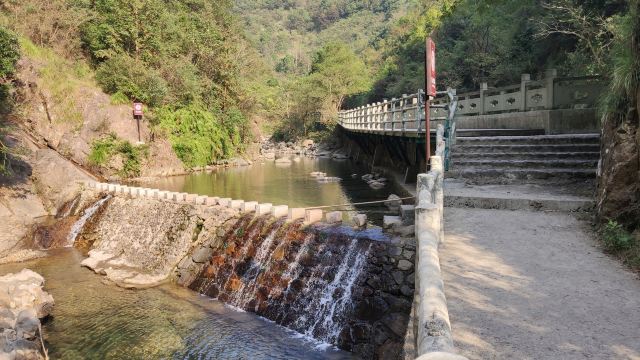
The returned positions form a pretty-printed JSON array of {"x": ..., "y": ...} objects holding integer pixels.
[
  {"x": 591, "y": 139},
  {"x": 516, "y": 197},
  {"x": 511, "y": 148},
  {"x": 498, "y": 132},
  {"x": 532, "y": 164},
  {"x": 522, "y": 175},
  {"x": 587, "y": 155}
]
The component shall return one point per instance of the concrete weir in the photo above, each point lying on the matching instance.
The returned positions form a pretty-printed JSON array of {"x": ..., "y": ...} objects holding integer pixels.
[
  {"x": 310, "y": 216},
  {"x": 261, "y": 258}
]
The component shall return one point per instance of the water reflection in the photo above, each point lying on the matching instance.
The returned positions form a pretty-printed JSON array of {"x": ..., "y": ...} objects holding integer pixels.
[
  {"x": 289, "y": 185},
  {"x": 93, "y": 320}
]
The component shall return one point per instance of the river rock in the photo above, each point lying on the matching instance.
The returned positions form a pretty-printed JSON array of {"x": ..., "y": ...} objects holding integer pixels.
[
  {"x": 283, "y": 161},
  {"x": 339, "y": 156},
  {"x": 405, "y": 265},
  {"x": 389, "y": 221},
  {"x": 360, "y": 220},
  {"x": 403, "y": 230},
  {"x": 27, "y": 324},
  {"x": 408, "y": 214},
  {"x": 397, "y": 322},
  {"x": 202, "y": 255},
  {"x": 393, "y": 202},
  {"x": 376, "y": 185},
  {"x": 19, "y": 318}
]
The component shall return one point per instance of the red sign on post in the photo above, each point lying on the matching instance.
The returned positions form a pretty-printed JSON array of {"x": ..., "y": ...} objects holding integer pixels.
[
  {"x": 431, "y": 68},
  {"x": 137, "y": 109}
]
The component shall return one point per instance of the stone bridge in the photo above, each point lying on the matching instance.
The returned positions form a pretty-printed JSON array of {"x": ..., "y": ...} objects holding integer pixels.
[{"x": 392, "y": 133}]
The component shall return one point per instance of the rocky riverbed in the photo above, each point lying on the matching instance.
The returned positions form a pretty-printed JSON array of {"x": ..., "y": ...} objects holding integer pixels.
[{"x": 23, "y": 302}]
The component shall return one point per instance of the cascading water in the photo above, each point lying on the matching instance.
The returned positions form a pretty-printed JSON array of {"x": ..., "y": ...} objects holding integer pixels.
[
  {"x": 86, "y": 215},
  {"x": 302, "y": 279}
]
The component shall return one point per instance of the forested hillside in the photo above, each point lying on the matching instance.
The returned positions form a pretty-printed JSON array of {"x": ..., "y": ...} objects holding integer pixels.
[
  {"x": 489, "y": 41},
  {"x": 213, "y": 73}
]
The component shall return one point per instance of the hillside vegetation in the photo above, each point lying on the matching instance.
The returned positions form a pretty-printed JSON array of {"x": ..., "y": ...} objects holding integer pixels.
[{"x": 211, "y": 79}]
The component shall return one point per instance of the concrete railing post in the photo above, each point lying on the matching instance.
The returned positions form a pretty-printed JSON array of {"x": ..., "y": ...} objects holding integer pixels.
[
  {"x": 405, "y": 104},
  {"x": 483, "y": 88},
  {"x": 394, "y": 103},
  {"x": 524, "y": 79},
  {"x": 385, "y": 114},
  {"x": 549, "y": 79}
]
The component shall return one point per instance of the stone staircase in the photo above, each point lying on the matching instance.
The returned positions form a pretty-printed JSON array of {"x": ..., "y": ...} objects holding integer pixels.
[
  {"x": 522, "y": 169},
  {"x": 515, "y": 159}
]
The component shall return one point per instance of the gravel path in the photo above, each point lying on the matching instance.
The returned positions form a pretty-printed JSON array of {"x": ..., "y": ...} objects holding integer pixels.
[{"x": 534, "y": 285}]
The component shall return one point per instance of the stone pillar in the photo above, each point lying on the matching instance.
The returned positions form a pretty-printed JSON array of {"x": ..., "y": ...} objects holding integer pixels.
[
  {"x": 483, "y": 88},
  {"x": 524, "y": 79},
  {"x": 333, "y": 217},
  {"x": 249, "y": 206},
  {"x": 279, "y": 211},
  {"x": 313, "y": 216},
  {"x": 405, "y": 104},
  {"x": 549, "y": 80},
  {"x": 236, "y": 204},
  {"x": 296, "y": 213}
]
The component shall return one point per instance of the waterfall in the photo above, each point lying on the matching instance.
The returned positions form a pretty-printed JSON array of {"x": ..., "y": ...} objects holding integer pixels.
[
  {"x": 328, "y": 308},
  {"x": 86, "y": 215},
  {"x": 300, "y": 278}
]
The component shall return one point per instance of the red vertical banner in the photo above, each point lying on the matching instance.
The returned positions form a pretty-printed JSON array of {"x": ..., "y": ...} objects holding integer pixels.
[
  {"x": 430, "y": 92},
  {"x": 431, "y": 68}
]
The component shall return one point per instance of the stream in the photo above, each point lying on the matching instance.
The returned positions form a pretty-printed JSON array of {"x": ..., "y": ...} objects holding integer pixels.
[{"x": 96, "y": 320}]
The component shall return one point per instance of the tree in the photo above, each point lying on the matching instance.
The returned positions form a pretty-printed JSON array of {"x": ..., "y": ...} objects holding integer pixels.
[
  {"x": 593, "y": 31},
  {"x": 339, "y": 73}
]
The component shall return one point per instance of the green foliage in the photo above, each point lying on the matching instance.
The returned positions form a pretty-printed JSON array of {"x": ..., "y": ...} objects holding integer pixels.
[
  {"x": 625, "y": 64},
  {"x": 9, "y": 53},
  {"x": 339, "y": 73},
  {"x": 104, "y": 149},
  {"x": 119, "y": 98},
  {"x": 199, "y": 136},
  {"x": 495, "y": 41},
  {"x": 617, "y": 240},
  {"x": 615, "y": 237},
  {"x": 124, "y": 75}
]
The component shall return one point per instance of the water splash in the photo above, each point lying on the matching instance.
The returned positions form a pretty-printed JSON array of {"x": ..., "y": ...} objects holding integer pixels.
[
  {"x": 325, "y": 313},
  {"x": 86, "y": 215},
  {"x": 302, "y": 279}
]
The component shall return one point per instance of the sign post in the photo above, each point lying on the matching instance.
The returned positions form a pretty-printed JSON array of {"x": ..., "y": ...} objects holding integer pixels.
[
  {"x": 430, "y": 92},
  {"x": 137, "y": 114}
]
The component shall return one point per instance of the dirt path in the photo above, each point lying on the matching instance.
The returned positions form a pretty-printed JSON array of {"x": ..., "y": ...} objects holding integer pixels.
[{"x": 533, "y": 285}]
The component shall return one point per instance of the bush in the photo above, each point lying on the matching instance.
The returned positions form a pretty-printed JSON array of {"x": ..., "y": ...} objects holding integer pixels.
[
  {"x": 9, "y": 53},
  {"x": 123, "y": 74},
  {"x": 102, "y": 151},
  {"x": 199, "y": 136},
  {"x": 615, "y": 237}
]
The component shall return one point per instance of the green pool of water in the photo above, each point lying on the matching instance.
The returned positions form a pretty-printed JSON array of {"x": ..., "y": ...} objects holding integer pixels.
[
  {"x": 96, "y": 320},
  {"x": 287, "y": 185}
]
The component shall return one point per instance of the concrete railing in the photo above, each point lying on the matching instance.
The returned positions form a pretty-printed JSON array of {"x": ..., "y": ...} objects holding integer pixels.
[
  {"x": 550, "y": 93},
  {"x": 310, "y": 216},
  {"x": 402, "y": 115},
  {"x": 406, "y": 114},
  {"x": 431, "y": 325}
]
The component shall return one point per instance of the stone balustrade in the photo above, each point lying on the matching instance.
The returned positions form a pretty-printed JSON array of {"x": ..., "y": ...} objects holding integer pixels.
[
  {"x": 309, "y": 216},
  {"x": 430, "y": 328}
]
